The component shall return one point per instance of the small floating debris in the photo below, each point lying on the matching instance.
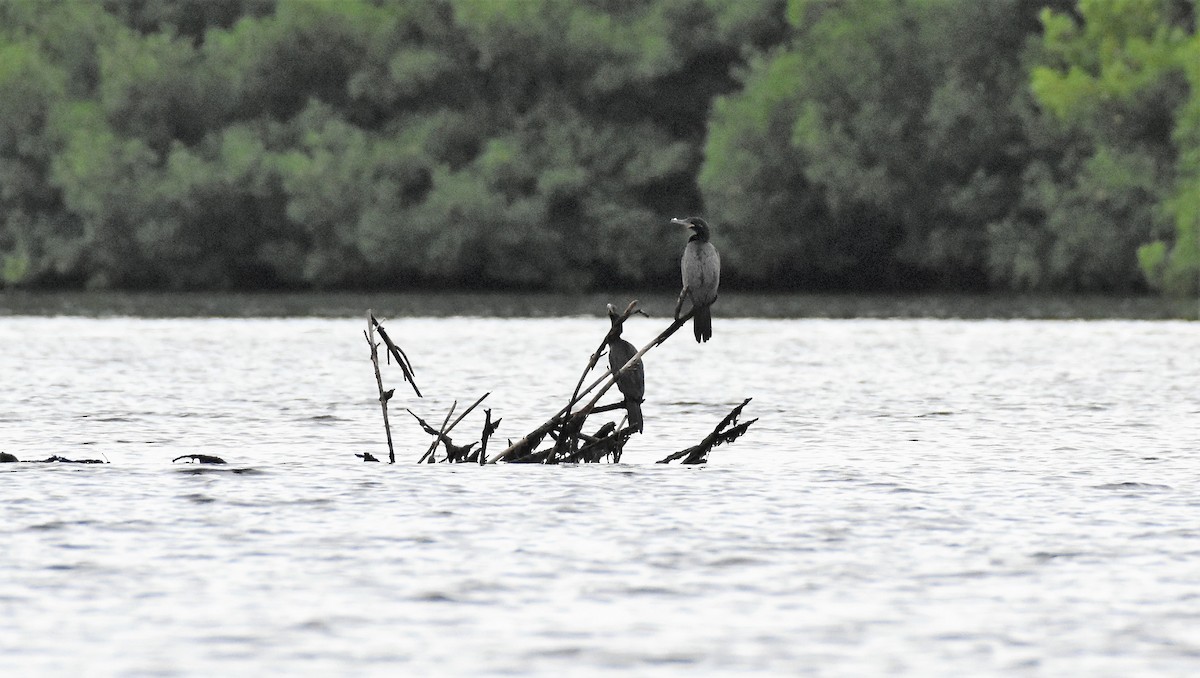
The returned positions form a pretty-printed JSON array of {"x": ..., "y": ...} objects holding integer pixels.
[
  {"x": 1132, "y": 486},
  {"x": 7, "y": 458},
  {"x": 200, "y": 459}
]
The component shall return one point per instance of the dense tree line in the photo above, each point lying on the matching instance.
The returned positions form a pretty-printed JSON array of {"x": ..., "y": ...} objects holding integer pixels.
[{"x": 544, "y": 144}]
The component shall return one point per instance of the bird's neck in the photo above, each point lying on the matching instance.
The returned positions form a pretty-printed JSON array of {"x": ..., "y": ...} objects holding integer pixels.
[{"x": 696, "y": 237}]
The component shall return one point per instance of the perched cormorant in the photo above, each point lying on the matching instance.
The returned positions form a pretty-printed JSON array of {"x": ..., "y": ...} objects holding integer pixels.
[
  {"x": 701, "y": 267},
  {"x": 633, "y": 382}
]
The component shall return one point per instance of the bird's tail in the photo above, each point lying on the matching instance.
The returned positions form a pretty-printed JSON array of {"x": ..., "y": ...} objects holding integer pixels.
[
  {"x": 634, "y": 409},
  {"x": 702, "y": 323}
]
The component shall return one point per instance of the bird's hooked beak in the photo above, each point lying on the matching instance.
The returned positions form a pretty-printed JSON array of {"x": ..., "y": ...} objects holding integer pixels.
[{"x": 681, "y": 222}]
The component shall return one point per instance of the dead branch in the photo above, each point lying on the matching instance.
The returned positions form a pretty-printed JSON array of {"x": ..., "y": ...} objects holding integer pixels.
[
  {"x": 698, "y": 454},
  {"x": 437, "y": 435},
  {"x": 395, "y": 351},
  {"x": 442, "y": 435},
  {"x": 384, "y": 396},
  {"x": 489, "y": 428}
]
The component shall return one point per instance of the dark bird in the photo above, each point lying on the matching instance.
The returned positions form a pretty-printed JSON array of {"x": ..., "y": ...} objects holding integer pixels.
[
  {"x": 633, "y": 383},
  {"x": 701, "y": 268}
]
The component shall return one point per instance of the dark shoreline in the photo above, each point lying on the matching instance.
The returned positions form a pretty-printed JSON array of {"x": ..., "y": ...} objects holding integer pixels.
[{"x": 525, "y": 305}]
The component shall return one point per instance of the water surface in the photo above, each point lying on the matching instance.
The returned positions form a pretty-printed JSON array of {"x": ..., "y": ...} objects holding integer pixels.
[{"x": 919, "y": 497}]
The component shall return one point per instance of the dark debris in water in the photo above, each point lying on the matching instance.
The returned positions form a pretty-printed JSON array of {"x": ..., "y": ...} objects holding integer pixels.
[
  {"x": 197, "y": 469},
  {"x": 7, "y": 458},
  {"x": 1045, "y": 556},
  {"x": 1132, "y": 486},
  {"x": 200, "y": 459}
]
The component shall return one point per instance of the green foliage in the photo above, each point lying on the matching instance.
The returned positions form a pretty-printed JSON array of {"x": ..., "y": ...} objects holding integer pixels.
[
  {"x": 1122, "y": 79},
  {"x": 312, "y": 143},
  {"x": 543, "y": 144},
  {"x": 877, "y": 145}
]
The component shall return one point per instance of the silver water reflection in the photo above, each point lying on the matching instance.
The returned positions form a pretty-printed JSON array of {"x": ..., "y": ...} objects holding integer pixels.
[{"x": 918, "y": 497}]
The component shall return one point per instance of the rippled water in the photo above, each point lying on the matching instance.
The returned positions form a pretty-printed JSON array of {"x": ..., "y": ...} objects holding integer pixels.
[{"x": 922, "y": 497}]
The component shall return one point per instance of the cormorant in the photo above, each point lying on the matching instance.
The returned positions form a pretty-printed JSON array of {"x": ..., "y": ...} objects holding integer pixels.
[
  {"x": 701, "y": 267},
  {"x": 633, "y": 383}
]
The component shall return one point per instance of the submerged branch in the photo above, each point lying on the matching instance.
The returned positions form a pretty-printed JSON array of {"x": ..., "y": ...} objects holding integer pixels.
[{"x": 698, "y": 454}]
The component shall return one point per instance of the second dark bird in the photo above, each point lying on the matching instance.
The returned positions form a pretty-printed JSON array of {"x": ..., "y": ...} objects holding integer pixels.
[
  {"x": 633, "y": 383},
  {"x": 701, "y": 268}
]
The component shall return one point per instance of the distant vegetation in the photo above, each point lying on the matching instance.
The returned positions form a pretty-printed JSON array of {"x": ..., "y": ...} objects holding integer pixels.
[{"x": 544, "y": 144}]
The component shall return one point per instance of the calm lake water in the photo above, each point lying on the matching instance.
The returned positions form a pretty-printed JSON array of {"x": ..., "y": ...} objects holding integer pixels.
[{"x": 919, "y": 497}]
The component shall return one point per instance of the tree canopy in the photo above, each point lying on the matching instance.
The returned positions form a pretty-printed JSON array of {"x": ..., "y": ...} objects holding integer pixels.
[{"x": 544, "y": 144}]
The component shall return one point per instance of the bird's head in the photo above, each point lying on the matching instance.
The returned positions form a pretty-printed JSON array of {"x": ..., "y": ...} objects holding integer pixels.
[
  {"x": 614, "y": 316},
  {"x": 698, "y": 226}
]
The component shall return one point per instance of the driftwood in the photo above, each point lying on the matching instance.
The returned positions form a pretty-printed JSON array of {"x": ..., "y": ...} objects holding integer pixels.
[{"x": 565, "y": 428}]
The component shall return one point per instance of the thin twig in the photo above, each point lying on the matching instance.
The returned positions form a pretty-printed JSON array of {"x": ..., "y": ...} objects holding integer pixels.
[
  {"x": 437, "y": 438},
  {"x": 369, "y": 333}
]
